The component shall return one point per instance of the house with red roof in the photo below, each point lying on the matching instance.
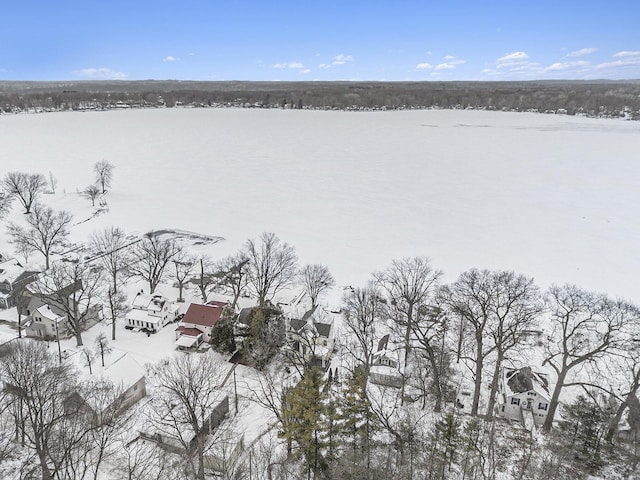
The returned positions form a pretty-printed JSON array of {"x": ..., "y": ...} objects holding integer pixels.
[{"x": 197, "y": 323}]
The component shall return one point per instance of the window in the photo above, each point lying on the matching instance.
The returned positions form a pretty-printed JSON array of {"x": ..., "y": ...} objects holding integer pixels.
[
  {"x": 531, "y": 394},
  {"x": 543, "y": 406},
  {"x": 502, "y": 409},
  {"x": 515, "y": 401}
]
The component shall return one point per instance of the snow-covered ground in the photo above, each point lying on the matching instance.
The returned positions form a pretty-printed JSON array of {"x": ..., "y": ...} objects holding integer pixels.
[{"x": 554, "y": 197}]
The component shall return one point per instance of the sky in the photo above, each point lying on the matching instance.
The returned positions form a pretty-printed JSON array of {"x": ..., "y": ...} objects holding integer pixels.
[{"x": 319, "y": 40}]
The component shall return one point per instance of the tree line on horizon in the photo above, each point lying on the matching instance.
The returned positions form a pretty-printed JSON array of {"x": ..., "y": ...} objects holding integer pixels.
[{"x": 596, "y": 99}]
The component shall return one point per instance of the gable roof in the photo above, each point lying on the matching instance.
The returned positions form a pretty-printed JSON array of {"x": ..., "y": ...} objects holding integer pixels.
[
  {"x": 10, "y": 270},
  {"x": 205, "y": 315},
  {"x": 524, "y": 380},
  {"x": 45, "y": 311}
]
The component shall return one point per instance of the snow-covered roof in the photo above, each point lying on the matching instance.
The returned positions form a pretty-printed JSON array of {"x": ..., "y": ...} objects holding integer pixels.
[
  {"x": 147, "y": 301},
  {"x": 124, "y": 371},
  {"x": 186, "y": 341},
  {"x": 10, "y": 270},
  {"x": 45, "y": 311},
  {"x": 524, "y": 380}
]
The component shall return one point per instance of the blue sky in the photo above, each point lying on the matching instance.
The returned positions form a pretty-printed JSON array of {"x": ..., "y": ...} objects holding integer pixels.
[{"x": 319, "y": 40}]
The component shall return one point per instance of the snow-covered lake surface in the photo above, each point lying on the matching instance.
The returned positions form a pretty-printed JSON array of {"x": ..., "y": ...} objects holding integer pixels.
[{"x": 554, "y": 197}]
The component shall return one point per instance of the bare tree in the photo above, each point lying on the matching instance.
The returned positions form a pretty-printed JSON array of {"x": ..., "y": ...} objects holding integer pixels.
[
  {"x": 585, "y": 326},
  {"x": 408, "y": 284},
  {"x": 470, "y": 298},
  {"x": 73, "y": 288},
  {"x": 231, "y": 274},
  {"x": 102, "y": 346},
  {"x": 188, "y": 389},
  {"x": 272, "y": 265},
  {"x": 204, "y": 277},
  {"x": 25, "y": 186},
  {"x": 316, "y": 279},
  {"x": 104, "y": 174},
  {"x": 429, "y": 331},
  {"x": 499, "y": 306},
  {"x": 117, "y": 307},
  {"x": 38, "y": 387},
  {"x": 514, "y": 310},
  {"x": 183, "y": 265},
  {"x": 150, "y": 258},
  {"x": 92, "y": 192},
  {"x": 361, "y": 309},
  {"x": 270, "y": 392},
  {"x": 47, "y": 230},
  {"x": 112, "y": 252},
  {"x": 87, "y": 359},
  {"x": 5, "y": 204},
  {"x": 53, "y": 183}
]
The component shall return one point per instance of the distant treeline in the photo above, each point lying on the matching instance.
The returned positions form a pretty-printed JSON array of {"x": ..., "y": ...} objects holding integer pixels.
[{"x": 593, "y": 98}]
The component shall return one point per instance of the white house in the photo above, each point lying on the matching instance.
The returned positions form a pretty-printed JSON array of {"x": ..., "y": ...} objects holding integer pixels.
[
  {"x": 121, "y": 371},
  {"x": 151, "y": 312},
  {"x": 386, "y": 367},
  {"x": 524, "y": 396},
  {"x": 310, "y": 340},
  {"x": 46, "y": 323},
  {"x": 46, "y": 312}
]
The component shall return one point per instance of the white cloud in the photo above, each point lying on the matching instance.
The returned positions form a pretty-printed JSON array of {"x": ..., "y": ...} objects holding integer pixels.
[
  {"x": 514, "y": 57},
  {"x": 170, "y": 59},
  {"x": 342, "y": 59},
  {"x": 305, "y": 71},
  {"x": 288, "y": 65},
  {"x": 324, "y": 65},
  {"x": 633, "y": 61},
  {"x": 627, "y": 54},
  {"x": 451, "y": 60},
  {"x": 444, "y": 66},
  {"x": 100, "y": 74},
  {"x": 581, "y": 52},
  {"x": 424, "y": 66},
  {"x": 565, "y": 66}
]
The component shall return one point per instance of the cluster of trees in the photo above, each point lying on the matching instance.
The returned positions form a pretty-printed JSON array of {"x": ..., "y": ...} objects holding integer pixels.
[
  {"x": 57, "y": 424},
  {"x": 598, "y": 98},
  {"x": 478, "y": 321},
  {"x": 341, "y": 424},
  {"x": 47, "y": 432}
]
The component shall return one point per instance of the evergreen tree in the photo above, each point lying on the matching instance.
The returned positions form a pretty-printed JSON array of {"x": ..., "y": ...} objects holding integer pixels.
[
  {"x": 446, "y": 442},
  {"x": 222, "y": 334},
  {"x": 305, "y": 405},
  {"x": 586, "y": 422},
  {"x": 356, "y": 415}
]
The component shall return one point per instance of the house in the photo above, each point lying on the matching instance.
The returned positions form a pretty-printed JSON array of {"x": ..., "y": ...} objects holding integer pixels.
[
  {"x": 310, "y": 341},
  {"x": 150, "y": 312},
  {"x": 126, "y": 375},
  {"x": 13, "y": 278},
  {"x": 385, "y": 366},
  {"x": 46, "y": 317},
  {"x": 46, "y": 323},
  {"x": 170, "y": 441},
  {"x": 524, "y": 396},
  {"x": 197, "y": 323}
]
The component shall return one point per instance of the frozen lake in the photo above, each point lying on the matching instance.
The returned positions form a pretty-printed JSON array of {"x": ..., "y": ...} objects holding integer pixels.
[{"x": 554, "y": 197}]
